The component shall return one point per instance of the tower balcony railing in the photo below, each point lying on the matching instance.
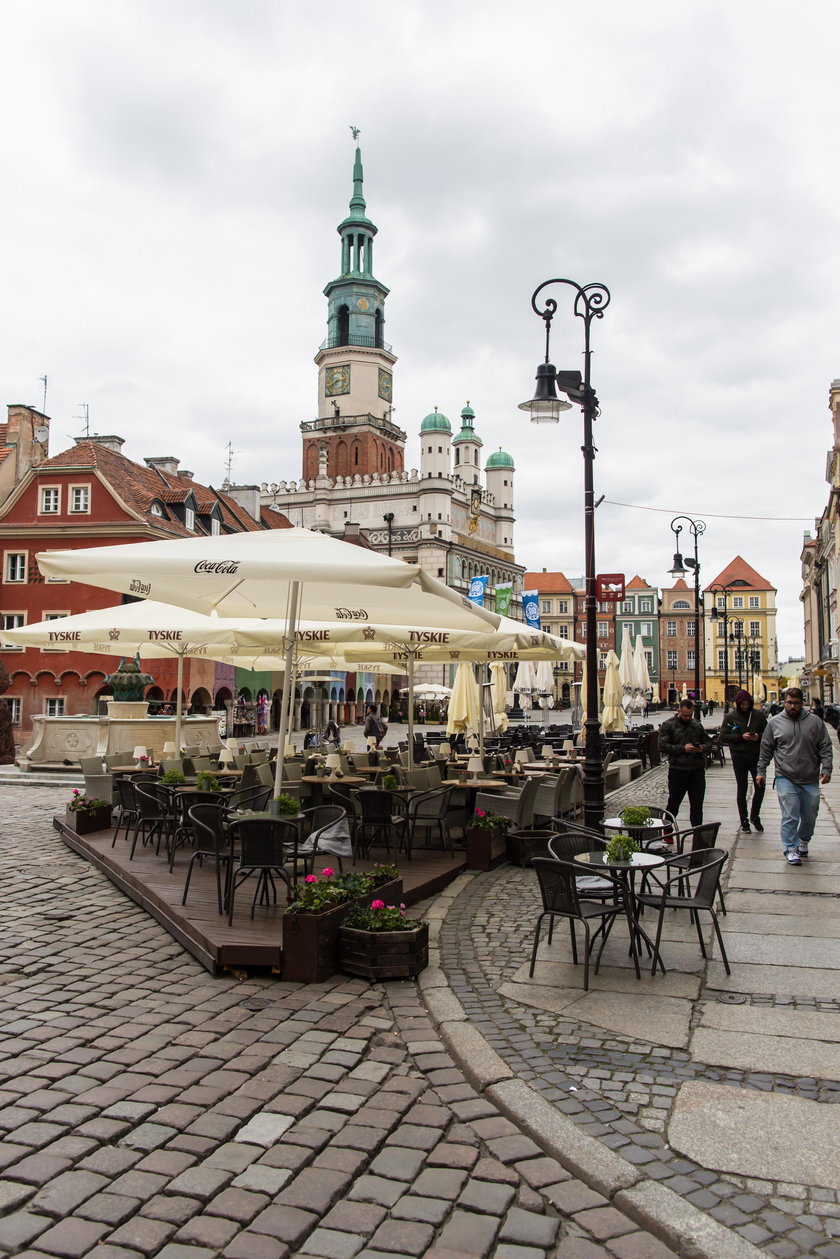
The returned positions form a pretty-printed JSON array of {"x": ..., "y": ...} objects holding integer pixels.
[{"x": 369, "y": 343}]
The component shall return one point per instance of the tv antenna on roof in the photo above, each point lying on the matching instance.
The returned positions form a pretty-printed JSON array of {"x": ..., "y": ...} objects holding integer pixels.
[
  {"x": 229, "y": 461},
  {"x": 43, "y": 380},
  {"x": 85, "y": 417}
]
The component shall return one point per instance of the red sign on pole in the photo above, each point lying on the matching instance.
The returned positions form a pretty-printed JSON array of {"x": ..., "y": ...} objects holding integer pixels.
[{"x": 609, "y": 587}]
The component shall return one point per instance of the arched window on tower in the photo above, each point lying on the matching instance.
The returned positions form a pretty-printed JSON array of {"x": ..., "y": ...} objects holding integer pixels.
[
  {"x": 377, "y": 326},
  {"x": 343, "y": 326},
  {"x": 457, "y": 455}
]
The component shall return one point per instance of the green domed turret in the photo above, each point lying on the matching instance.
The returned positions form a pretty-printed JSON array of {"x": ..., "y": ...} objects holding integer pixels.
[
  {"x": 499, "y": 459},
  {"x": 468, "y": 433},
  {"x": 436, "y": 422}
]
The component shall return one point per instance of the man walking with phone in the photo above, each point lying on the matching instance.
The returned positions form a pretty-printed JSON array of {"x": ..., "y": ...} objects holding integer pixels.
[
  {"x": 797, "y": 741},
  {"x": 683, "y": 741}
]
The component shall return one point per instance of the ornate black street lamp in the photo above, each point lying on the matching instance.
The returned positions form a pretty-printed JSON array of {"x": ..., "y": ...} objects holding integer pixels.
[
  {"x": 590, "y": 302},
  {"x": 715, "y": 616},
  {"x": 695, "y": 528},
  {"x": 737, "y": 637}
]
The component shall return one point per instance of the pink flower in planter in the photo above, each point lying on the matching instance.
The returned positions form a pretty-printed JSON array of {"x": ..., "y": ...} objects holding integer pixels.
[
  {"x": 402, "y": 906},
  {"x": 480, "y": 813},
  {"x": 310, "y": 878},
  {"x": 327, "y": 871},
  {"x": 76, "y": 791},
  {"x": 377, "y": 904}
]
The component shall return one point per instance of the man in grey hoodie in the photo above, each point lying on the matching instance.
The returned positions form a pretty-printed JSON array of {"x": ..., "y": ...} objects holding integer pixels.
[{"x": 798, "y": 742}]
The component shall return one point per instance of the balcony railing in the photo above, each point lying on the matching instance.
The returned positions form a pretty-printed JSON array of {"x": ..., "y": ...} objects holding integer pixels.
[{"x": 369, "y": 343}]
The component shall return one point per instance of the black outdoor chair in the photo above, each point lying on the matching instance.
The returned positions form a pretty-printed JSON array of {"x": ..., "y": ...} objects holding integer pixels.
[
  {"x": 266, "y": 846},
  {"x": 127, "y": 810},
  {"x": 183, "y": 832},
  {"x": 254, "y": 798},
  {"x": 704, "y": 870},
  {"x": 429, "y": 811},
  {"x": 572, "y": 844},
  {"x": 695, "y": 839},
  {"x": 560, "y": 899},
  {"x": 154, "y": 819},
  {"x": 210, "y": 840},
  {"x": 380, "y": 821}
]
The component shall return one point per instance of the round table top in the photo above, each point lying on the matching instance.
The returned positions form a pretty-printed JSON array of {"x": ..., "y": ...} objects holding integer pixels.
[
  {"x": 639, "y": 860},
  {"x": 616, "y": 824}
]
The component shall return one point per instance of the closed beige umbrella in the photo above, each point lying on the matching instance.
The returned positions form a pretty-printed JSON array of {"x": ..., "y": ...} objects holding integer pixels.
[
  {"x": 464, "y": 703},
  {"x": 498, "y": 694},
  {"x": 613, "y": 716}
]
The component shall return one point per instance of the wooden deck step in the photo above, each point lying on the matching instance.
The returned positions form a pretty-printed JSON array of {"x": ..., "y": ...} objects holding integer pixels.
[{"x": 199, "y": 927}]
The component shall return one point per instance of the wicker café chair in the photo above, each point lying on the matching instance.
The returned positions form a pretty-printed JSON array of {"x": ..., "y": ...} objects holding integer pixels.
[{"x": 560, "y": 899}]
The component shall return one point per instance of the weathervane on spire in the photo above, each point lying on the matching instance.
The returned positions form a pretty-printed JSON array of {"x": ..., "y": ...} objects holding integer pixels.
[{"x": 355, "y": 131}]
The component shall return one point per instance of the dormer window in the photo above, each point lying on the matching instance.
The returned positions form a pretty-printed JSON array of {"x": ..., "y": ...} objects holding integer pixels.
[
  {"x": 156, "y": 509},
  {"x": 189, "y": 518},
  {"x": 216, "y": 526}
]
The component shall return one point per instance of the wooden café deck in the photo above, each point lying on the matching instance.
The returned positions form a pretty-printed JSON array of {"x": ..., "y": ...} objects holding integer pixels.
[{"x": 199, "y": 927}]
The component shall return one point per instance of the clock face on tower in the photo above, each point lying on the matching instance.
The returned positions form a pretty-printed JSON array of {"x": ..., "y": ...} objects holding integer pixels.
[
  {"x": 337, "y": 380},
  {"x": 386, "y": 386}
]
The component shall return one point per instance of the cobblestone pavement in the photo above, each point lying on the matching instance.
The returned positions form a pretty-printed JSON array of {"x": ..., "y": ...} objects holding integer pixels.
[
  {"x": 149, "y": 1109},
  {"x": 618, "y": 1089}
]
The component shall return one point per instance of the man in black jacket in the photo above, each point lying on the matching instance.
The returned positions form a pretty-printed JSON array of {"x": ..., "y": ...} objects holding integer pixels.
[{"x": 682, "y": 740}]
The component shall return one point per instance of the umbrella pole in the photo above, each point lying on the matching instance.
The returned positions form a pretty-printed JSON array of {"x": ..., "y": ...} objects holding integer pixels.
[
  {"x": 482, "y": 671},
  {"x": 411, "y": 653},
  {"x": 179, "y": 702},
  {"x": 288, "y": 699}
]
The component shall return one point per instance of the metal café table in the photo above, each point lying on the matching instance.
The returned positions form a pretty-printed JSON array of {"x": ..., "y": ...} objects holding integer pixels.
[{"x": 625, "y": 872}]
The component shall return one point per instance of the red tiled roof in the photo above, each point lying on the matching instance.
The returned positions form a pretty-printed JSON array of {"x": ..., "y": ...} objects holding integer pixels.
[
  {"x": 638, "y": 583},
  {"x": 679, "y": 584},
  {"x": 274, "y": 519},
  {"x": 547, "y": 583},
  {"x": 140, "y": 486},
  {"x": 739, "y": 572}
]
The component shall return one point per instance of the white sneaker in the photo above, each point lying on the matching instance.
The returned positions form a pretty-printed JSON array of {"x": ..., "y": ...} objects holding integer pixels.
[
  {"x": 792, "y": 857},
  {"x": 803, "y": 849}
]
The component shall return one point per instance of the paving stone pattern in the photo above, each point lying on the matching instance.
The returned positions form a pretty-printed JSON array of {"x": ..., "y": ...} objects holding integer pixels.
[
  {"x": 619, "y": 1090},
  {"x": 149, "y": 1109}
]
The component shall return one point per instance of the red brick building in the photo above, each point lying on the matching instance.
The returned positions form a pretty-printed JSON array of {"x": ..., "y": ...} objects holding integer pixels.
[{"x": 92, "y": 495}]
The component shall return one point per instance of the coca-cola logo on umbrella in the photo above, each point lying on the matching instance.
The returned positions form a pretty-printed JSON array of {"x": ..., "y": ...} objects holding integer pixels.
[{"x": 217, "y": 566}]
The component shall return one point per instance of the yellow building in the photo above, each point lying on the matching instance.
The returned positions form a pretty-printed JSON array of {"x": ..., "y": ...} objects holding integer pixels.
[{"x": 739, "y": 620}]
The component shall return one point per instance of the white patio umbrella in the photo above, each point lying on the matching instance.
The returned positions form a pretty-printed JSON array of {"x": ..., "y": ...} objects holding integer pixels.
[
  {"x": 155, "y": 630},
  {"x": 642, "y": 674},
  {"x": 626, "y": 668},
  {"x": 544, "y": 683},
  {"x": 288, "y": 573},
  {"x": 429, "y": 690},
  {"x": 464, "y": 704},
  {"x": 613, "y": 716},
  {"x": 525, "y": 684},
  {"x": 498, "y": 693}
]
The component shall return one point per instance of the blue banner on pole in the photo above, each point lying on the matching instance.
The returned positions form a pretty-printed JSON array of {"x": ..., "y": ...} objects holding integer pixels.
[
  {"x": 477, "y": 587},
  {"x": 531, "y": 608}
]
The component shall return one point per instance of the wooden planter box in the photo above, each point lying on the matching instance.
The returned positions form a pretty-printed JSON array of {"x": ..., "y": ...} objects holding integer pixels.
[
  {"x": 486, "y": 848},
  {"x": 310, "y": 941},
  {"x": 383, "y": 954},
  {"x": 523, "y": 846},
  {"x": 85, "y": 821}
]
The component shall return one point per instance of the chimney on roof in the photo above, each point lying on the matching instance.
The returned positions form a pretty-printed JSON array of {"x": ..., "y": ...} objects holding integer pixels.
[
  {"x": 185, "y": 475},
  {"x": 110, "y": 441},
  {"x": 246, "y": 496},
  {"x": 26, "y": 438},
  {"x": 165, "y": 463}
]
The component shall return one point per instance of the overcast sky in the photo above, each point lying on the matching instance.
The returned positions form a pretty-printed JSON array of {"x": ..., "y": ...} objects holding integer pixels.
[{"x": 174, "y": 171}]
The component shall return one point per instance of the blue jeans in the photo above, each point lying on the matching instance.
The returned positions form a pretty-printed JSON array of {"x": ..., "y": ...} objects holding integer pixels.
[{"x": 800, "y": 804}]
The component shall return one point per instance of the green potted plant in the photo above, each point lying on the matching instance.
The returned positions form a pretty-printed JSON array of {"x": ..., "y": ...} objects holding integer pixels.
[
  {"x": 378, "y": 941},
  {"x": 317, "y": 910},
  {"x": 389, "y": 782},
  {"x": 205, "y": 781},
  {"x": 173, "y": 778},
  {"x": 285, "y": 805},
  {"x": 485, "y": 838},
  {"x": 635, "y": 815},
  {"x": 621, "y": 848},
  {"x": 84, "y": 814}
]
